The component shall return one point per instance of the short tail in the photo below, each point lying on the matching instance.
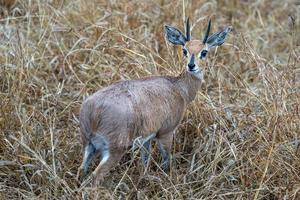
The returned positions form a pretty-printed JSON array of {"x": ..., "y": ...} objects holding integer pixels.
[{"x": 97, "y": 144}]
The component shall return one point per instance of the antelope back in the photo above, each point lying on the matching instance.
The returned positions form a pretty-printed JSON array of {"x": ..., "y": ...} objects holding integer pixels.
[{"x": 130, "y": 109}]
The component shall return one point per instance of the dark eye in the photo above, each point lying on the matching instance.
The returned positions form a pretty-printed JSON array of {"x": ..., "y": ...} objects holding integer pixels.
[
  {"x": 203, "y": 54},
  {"x": 184, "y": 52}
]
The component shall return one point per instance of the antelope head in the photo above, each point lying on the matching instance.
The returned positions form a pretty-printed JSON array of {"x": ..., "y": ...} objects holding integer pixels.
[{"x": 194, "y": 50}]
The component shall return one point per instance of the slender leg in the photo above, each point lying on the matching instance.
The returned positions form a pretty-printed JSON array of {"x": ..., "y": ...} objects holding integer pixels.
[
  {"x": 146, "y": 151},
  {"x": 165, "y": 158},
  {"x": 107, "y": 163},
  {"x": 165, "y": 143},
  {"x": 88, "y": 155},
  {"x": 146, "y": 148}
]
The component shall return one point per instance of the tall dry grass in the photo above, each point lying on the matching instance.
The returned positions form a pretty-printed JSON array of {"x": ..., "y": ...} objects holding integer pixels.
[{"x": 239, "y": 139}]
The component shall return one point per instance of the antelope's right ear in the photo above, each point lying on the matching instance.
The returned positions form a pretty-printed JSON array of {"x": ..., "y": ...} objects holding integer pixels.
[
  {"x": 217, "y": 39},
  {"x": 175, "y": 36}
]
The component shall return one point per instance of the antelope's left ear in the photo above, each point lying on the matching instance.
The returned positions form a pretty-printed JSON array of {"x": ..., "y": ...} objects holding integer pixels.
[{"x": 217, "y": 39}]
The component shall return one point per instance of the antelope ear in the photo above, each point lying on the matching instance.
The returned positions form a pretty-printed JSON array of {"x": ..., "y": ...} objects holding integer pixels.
[
  {"x": 217, "y": 39},
  {"x": 175, "y": 36}
]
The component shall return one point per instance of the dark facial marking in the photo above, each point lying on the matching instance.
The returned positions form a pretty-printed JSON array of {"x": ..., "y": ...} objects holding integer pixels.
[
  {"x": 203, "y": 54},
  {"x": 184, "y": 52},
  {"x": 191, "y": 64}
]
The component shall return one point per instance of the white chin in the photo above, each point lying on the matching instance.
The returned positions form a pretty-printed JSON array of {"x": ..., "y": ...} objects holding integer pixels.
[{"x": 197, "y": 72}]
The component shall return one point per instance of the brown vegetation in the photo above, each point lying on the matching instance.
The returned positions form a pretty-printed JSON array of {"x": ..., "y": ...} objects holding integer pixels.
[{"x": 239, "y": 139}]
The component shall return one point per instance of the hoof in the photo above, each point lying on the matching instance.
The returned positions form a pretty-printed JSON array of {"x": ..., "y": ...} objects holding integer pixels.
[
  {"x": 166, "y": 168},
  {"x": 96, "y": 180}
]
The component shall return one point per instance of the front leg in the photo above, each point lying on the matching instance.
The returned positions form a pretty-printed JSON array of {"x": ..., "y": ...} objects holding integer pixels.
[
  {"x": 165, "y": 154},
  {"x": 146, "y": 151},
  {"x": 165, "y": 143}
]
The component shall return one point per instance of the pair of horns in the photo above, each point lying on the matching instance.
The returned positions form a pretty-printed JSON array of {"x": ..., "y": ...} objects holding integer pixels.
[{"x": 188, "y": 31}]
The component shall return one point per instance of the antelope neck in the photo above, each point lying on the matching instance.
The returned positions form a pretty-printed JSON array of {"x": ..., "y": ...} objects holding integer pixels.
[{"x": 188, "y": 85}]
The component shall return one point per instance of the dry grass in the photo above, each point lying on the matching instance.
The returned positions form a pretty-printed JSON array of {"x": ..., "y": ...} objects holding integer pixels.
[{"x": 239, "y": 138}]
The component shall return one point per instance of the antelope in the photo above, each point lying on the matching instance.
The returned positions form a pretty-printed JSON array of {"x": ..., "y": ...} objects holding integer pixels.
[{"x": 151, "y": 107}]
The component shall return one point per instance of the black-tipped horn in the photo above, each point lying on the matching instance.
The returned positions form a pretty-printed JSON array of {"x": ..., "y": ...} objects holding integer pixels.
[
  {"x": 207, "y": 32},
  {"x": 187, "y": 30}
]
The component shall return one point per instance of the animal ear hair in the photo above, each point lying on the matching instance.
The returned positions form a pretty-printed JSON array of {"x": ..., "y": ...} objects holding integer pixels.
[
  {"x": 175, "y": 36},
  {"x": 217, "y": 39}
]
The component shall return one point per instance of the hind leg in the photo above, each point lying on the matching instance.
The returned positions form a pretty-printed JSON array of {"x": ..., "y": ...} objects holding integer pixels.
[
  {"x": 109, "y": 159},
  {"x": 165, "y": 143},
  {"x": 88, "y": 155}
]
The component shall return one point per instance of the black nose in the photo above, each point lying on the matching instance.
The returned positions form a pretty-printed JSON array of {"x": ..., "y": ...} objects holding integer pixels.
[{"x": 191, "y": 65}]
